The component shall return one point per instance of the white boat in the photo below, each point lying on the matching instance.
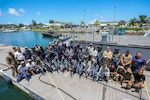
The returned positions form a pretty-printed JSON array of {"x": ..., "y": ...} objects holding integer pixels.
[
  {"x": 64, "y": 37},
  {"x": 147, "y": 34},
  {"x": 9, "y": 30}
]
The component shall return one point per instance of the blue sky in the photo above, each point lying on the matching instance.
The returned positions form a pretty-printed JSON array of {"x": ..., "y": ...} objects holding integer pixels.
[{"x": 23, "y": 11}]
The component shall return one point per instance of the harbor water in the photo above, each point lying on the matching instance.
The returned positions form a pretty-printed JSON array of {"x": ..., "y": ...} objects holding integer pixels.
[
  {"x": 24, "y": 38},
  {"x": 10, "y": 92}
]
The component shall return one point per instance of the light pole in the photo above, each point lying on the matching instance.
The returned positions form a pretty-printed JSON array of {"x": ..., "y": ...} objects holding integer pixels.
[
  {"x": 85, "y": 25},
  {"x": 84, "y": 20},
  {"x": 114, "y": 22}
]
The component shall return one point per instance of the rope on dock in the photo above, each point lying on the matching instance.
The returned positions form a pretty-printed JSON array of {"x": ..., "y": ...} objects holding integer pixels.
[
  {"x": 147, "y": 90},
  {"x": 53, "y": 83},
  {"x": 3, "y": 64},
  {"x": 55, "y": 86}
]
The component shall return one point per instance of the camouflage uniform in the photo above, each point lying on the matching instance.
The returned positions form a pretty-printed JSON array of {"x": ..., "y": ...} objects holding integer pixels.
[{"x": 128, "y": 79}]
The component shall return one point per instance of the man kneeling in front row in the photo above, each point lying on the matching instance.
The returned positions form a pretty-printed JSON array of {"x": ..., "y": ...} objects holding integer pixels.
[
  {"x": 22, "y": 72},
  {"x": 104, "y": 73},
  {"x": 128, "y": 79},
  {"x": 30, "y": 67},
  {"x": 139, "y": 80}
]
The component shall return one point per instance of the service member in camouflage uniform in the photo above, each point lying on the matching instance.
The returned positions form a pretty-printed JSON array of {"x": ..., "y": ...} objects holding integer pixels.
[
  {"x": 128, "y": 80},
  {"x": 10, "y": 60}
]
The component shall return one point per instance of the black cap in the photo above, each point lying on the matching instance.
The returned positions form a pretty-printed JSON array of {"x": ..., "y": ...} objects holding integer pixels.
[{"x": 99, "y": 46}]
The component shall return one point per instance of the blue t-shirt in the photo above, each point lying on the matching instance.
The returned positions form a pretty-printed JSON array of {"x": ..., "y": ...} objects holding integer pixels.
[
  {"x": 27, "y": 54},
  {"x": 137, "y": 63}
]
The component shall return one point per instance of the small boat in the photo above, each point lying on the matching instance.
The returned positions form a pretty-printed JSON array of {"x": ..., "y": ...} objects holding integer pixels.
[
  {"x": 64, "y": 37},
  {"x": 51, "y": 34},
  {"x": 9, "y": 30}
]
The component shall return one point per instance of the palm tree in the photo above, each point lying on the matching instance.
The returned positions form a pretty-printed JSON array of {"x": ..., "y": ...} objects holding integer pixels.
[
  {"x": 51, "y": 21},
  {"x": 132, "y": 22},
  {"x": 96, "y": 23},
  {"x": 121, "y": 23},
  {"x": 143, "y": 20}
]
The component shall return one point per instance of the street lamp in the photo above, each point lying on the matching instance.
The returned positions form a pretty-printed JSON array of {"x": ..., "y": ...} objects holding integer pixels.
[
  {"x": 114, "y": 21},
  {"x": 84, "y": 20},
  {"x": 85, "y": 25}
]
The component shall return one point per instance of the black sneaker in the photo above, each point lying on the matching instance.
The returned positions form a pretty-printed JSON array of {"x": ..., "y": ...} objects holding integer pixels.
[
  {"x": 106, "y": 80},
  {"x": 100, "y": 79}
]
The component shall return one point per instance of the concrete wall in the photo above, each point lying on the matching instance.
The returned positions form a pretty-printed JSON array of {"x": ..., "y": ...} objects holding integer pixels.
[{"x": 133, "y": 48}]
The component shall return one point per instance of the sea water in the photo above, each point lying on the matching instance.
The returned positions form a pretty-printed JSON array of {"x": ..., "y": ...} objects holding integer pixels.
[
  {"x": 10, "y": 92},
  {"x": 24, "y": 38}
]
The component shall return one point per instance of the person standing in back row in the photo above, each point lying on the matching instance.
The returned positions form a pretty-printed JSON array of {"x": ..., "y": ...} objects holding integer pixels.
[
  {"x": 138, "y": 62},
  {"x": 19, "y": 56},
  {"x": 27, "y": 53}
]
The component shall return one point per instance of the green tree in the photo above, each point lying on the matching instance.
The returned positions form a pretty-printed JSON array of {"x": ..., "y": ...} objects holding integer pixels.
[
  {"x": 34, "y": 23},
  {"x": 51, "y": 21},
  {"x": 108, "y": 25},
  {"x": 121, "y": 23},
  {"x": 1, "y": 26},
  {"x": 143, "y": 20},
  {"x": 82, "y": 24},
  {"x": 96, "y": 23},
  {"x": 21, "y": 25},
  {"x": 40, "y": 24},
  {"x": 132, "y": 22}
]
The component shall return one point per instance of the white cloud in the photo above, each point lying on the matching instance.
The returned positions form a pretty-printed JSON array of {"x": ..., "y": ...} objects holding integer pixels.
[
  {"x": 22, "y": 10},
  {"x": 12, "y": 11},
  {"x": 38, "y": 13}
]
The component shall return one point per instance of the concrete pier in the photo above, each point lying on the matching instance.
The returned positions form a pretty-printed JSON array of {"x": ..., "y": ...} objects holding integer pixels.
[
  {"x": 41, "y": 87},
  {"x": 117, "y": 39}
]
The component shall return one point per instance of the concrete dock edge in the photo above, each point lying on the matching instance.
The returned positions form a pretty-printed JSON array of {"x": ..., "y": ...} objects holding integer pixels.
[{"x": 29, "y": 92}]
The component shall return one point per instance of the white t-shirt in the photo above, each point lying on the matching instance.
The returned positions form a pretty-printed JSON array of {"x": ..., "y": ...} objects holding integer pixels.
[
  {"x": 28, "y": 65},
  {"x": 95, "y": 53},
  {"x": 18, "y": 55},
  {"x": 91, "y": 49}
]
